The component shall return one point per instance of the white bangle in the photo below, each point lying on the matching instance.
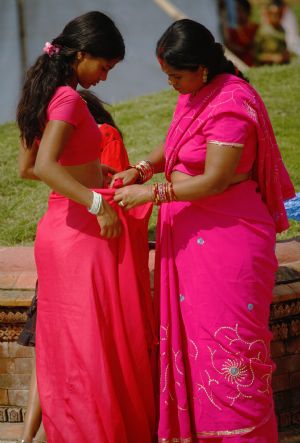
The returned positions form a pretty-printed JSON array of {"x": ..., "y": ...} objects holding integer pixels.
[{"x": 97, "y": 203}]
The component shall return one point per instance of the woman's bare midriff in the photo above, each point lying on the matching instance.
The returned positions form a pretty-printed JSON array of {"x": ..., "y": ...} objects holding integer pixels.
[
  {"x": 178, "y": 176},
  {"x": 88, "y": 174}
]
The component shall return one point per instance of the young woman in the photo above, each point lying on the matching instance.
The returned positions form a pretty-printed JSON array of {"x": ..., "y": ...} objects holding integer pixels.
[
  {"x": 215, "y": 259},
  {"x": 93, "y": 326},
  {"x": 113, "y": 154}
]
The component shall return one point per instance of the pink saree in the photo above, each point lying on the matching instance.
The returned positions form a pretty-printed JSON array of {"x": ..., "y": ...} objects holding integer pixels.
[
  {"x": 94, "y": 326},
  {"x": 215, "y": 268}
]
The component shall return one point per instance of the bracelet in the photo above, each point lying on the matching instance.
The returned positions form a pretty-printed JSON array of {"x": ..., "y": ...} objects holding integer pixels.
[
  {"x": 97, "y": 203},
  {"x": 145, "y": 170},
  {"x": 163, "y": 193}
]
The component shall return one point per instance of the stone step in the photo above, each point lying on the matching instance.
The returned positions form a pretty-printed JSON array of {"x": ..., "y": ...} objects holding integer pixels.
[{"x": 11, "y": 432}]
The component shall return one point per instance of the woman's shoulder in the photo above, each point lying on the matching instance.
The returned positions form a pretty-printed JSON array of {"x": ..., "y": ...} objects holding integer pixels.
[
  {"x": 234, "y": 89},
  {"x": 65, "y": 96},
  {"x": 65, "y": 91},
  {"x": 235, "y": 96},
  {"x": 66, "y": 104}
]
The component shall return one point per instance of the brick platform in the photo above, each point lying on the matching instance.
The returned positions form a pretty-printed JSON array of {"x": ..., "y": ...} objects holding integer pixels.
[{"x": 17, "y": 282}]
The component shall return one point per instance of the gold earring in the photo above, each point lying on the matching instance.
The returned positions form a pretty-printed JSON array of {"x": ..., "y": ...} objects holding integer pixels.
[{"x": 204, "y": 75}]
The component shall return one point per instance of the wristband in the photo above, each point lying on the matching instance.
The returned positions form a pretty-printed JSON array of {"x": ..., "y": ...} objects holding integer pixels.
[{"x": 97, "y": 203}]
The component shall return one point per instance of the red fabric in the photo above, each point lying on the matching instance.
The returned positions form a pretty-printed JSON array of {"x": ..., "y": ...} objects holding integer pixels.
[
  {"x": 113, "y": 151},
  {"x": 83, "y": 145},
  {"x": 94, "y": 326}
]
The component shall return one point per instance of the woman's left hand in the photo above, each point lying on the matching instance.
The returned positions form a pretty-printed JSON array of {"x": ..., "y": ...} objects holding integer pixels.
[{"x": 133, "y": 195}]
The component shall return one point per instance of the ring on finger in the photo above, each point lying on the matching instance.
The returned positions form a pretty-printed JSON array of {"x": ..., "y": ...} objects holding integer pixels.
[{"x": 121, "y": 204}]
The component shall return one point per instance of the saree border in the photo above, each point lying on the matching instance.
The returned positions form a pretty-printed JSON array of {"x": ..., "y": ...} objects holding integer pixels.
[
  {"x": 225, "y": 433},
  {"x": 225, "y": 144}
]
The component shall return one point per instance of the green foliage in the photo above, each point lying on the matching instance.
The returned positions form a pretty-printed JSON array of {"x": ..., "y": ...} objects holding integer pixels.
[{"x": 144, "y": 122}]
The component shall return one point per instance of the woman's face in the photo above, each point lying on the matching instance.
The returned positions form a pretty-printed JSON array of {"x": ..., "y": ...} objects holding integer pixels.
[
  {"x": 91, "y": 70},
  {"x": 183, "y": 80}
]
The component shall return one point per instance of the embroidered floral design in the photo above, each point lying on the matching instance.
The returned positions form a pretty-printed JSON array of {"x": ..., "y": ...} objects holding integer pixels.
[{"x": 234, "y": 370}]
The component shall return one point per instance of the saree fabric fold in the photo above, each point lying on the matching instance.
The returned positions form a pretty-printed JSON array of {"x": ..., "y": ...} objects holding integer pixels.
[
  {"x": 95, "y": 330},
  {"x": 215, "y": 272}
]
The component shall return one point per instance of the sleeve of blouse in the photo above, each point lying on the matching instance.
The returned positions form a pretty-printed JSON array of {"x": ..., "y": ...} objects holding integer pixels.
[
  {"x": 67, "y": 105},
  {"x": 227, "y": 129}
]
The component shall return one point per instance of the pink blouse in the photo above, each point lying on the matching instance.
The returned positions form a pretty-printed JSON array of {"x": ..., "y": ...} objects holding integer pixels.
[
  {"x": 83, "y": 146},
  {"x": 223, "y": 129}
]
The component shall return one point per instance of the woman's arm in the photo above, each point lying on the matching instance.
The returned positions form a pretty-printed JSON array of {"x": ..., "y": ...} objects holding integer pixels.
[
  {"x": 47, "y": 168},
  {"x": 27, "y": 159},
  {"x": 130, "y": 176},
  {"x": 157, "y": 158},
  {"x": 220, "y": 166}
]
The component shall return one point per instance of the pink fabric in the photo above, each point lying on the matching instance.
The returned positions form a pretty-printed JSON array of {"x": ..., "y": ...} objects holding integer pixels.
[
  {"x": 265, "y": 433},
  {"x": 94, "y": 327},
  {"x": 215, "y": 269},
  {"x": 83, "y": 146},
  {"x": 227, "y": 110}
]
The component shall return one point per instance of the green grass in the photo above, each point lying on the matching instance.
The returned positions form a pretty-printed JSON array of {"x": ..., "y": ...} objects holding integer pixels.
[{"x": 144, "y": 122}]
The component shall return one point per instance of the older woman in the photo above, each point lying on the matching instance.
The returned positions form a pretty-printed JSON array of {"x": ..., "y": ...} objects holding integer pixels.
[{"x": 220, "y": 209}]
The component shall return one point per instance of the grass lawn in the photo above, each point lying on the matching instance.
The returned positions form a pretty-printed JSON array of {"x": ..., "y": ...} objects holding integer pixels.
[{"x": 144, "y": 122}]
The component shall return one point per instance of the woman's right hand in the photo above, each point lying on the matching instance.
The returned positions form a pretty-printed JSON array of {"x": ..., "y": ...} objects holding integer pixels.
[
  {"x": 128, "y": 177},
  {"x": 109, "y": 221}
]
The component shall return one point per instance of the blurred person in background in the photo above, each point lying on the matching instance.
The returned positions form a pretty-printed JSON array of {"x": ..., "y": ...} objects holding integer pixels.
[
  {"x": 240, "y": 38},
  {"x": 270, "y": 40},
  {"x": 290, "y": 25}
]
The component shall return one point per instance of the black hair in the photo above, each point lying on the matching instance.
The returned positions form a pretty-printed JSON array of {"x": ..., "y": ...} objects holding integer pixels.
[
  {"x": 97, "y": 109},
  {"x": 187, "y": 44},
  {"x": 245, "y": 5},
  {"x": 93, "y": 33}
]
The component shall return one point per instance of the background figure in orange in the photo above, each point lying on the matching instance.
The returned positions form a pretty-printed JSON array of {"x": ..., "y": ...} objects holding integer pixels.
[
  {"x": 112, "y": 150},
  {"x": 270, "y": 40},
  {"x": 240, "y": 38}
]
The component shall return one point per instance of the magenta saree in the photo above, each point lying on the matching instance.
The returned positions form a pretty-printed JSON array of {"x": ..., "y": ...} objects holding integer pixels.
[
  {"x": 94, "y": 326},
  {"x": 215, "y": 273}
]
